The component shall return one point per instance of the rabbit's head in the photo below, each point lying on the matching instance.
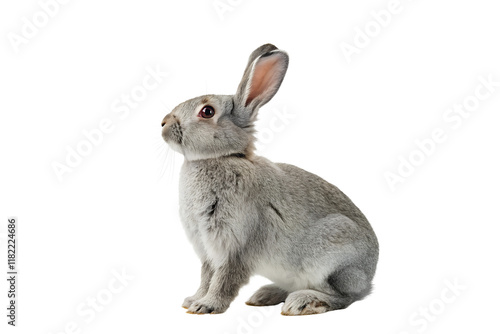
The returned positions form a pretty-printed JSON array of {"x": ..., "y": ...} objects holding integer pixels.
[{"x": 212, "y": 126}]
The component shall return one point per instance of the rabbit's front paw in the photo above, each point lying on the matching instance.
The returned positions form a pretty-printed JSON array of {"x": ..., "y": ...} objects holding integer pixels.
[
  {"x": 188, "y": 301},
  {"x": 204, "y": 306}
]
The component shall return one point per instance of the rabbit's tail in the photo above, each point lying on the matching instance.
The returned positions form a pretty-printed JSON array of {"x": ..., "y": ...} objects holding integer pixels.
[{"x": 350, "y": 284}]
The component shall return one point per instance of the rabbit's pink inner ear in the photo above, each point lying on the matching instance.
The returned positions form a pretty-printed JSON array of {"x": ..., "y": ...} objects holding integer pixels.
[{"x": 265, "y": 79}]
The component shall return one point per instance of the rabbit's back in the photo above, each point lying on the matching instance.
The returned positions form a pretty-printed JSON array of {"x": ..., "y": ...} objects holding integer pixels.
[
  {"x": 308, "y": 191},
  {"x": 316, "y": 229}
]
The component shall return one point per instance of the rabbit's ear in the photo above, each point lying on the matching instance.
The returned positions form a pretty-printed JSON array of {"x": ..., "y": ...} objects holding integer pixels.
[{"x": 263, "y": 76}]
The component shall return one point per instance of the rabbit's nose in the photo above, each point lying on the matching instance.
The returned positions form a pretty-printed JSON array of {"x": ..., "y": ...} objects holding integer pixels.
[
  {"x": 168, "y": 119},
  {"x": 165, "y": 119}
]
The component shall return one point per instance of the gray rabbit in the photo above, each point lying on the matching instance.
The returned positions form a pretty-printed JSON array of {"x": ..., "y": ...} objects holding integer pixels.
[{"x": 246, "y": 215}]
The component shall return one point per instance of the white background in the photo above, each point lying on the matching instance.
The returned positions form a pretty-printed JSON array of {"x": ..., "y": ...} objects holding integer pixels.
[{"x": 350, "y": 122}]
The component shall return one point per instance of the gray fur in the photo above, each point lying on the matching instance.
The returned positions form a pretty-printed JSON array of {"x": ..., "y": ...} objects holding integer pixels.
[
  {"x": 245, "y": 215},
  {"x": 270, "y": 294}
]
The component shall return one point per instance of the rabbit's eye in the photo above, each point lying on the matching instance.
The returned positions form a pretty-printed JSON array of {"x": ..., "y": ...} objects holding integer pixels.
[{"x": 207, "y": 112}]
